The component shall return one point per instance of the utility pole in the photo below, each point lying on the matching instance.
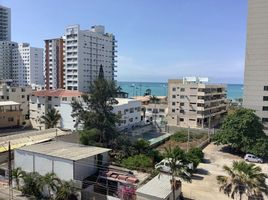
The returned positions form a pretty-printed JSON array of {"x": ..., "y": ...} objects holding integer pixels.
[
  {"x": 188, "y": 140},
  {"x": 10, "y": 172}
]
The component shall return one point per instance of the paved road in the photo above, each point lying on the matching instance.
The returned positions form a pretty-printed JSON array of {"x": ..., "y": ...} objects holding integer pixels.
[{"x": 204, "y": 185}]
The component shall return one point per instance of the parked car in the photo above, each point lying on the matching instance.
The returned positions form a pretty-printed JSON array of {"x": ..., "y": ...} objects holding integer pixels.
[
  {"x": 164, "y": 165},
  {"x": 252, "y": 158}
]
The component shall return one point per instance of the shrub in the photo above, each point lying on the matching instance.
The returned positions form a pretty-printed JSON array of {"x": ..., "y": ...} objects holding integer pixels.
[
  {"x": 180, "y": 136},
  {"x": 90, "y": 137},
  {"x": 195, "y": 155},
  {"x": 140, "y": 161}
]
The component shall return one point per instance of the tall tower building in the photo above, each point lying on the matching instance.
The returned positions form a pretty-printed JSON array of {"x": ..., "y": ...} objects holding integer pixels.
[
  {"x": 86, "y": 51},
  {"x": 256, "y": 64},
  {"x": 54, "y": 63},
  {"x": 5, "y": 23},
  {"x": 27, "y": 65}
]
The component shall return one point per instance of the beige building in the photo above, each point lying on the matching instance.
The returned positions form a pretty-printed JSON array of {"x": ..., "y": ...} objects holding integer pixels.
[
  {"x": 194, "y": 103},
  {"x": 10, "y": 114},
  {"x": 17, "y": 94},
  {"x": 256, "y": 64}
]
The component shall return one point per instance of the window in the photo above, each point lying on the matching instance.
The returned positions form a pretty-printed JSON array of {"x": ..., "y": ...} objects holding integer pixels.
[
  {"x": 181, "y": 104},
  {"x": 174, "y": 96},
  {"x": 174, "y": 89},
  {"x": 173, "y": 103},
  {"x": 39, "y": 105},
  {"x": 131, "y": 119},
  {"x": 22, "y": 96},
  {"x": 264, "y": 120},
  {"x": 181, "y": 119},
  {"x": 161, "y": 110},
  {"x": 182, "y": 111},
  {"x": 192, "y": 119},
  {"x": 265, "y": 98},
  {"x": 13, "y": 90},
  {"x": 64, "y": 99},
  {"x": 265, "y": 88},
  {"x": 173, "y": 110},
  {"x": 182, "y": 97},
  {"x": 49, "y": 98},
  {"x": 265, "y": 108},
  {"x": 182, "y": 89},
  {"x": 10, "y": 119}
]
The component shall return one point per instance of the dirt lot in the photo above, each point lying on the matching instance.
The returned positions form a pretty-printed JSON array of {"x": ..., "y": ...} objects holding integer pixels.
[{"x": 204, "y": 185}]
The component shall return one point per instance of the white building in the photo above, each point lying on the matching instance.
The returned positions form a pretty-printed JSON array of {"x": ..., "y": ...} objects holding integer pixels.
[
  {"x": 27, "y": 65},
  {"x": 6, "y": 48},
  {"x": 54, "y": 63},
  {"x": 60, "y": 99},
  {"x": 69, "y": 161},
  {"x": 5, "y": 23},
  {"x": 86, "y": 51},
  {"x": 130, "y": 112},
  {"x": 17, "y": 94},
  {"x": 194, "y": 103},
  {"x": 256, "y": 64}
]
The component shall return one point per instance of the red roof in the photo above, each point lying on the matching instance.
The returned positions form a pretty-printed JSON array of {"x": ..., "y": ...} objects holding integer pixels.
[{"x": 57, "y": 93}]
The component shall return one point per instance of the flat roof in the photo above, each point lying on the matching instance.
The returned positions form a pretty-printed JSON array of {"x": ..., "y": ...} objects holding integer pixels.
[
  {"x": 57, "y": 93},
  {"x": 66, "y": 150},
  {"x": 158, "y": 187},
  {"x": 9, "y": 103},
  {"x": 122, "y": 101}
]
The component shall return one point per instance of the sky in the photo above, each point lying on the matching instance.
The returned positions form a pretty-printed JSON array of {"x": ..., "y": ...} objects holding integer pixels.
[{"x": 157, "y": 39}]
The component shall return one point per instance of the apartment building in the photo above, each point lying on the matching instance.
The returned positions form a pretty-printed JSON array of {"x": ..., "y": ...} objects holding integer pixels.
[
  {"x": 5, "y": 23},
  {"x": 86, "y": 51},
  {"x": 130, "y": 112},
  {"x": 256, "y": 63},
  {"x": 27, "y": 65},
  {"x": 10, "y": 114},
  {"x": 54, "y": 63},
  {"x": 194, "y": 103},
  {"x": 18, "y": 94},
  {"x": 6, "y": 48}
]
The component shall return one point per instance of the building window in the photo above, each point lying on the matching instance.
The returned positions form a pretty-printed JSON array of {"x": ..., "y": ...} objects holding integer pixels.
[
  {"x": 22, "y": 96},
  {"x": 264, "y": 120},
  {"x": 181, "y": 104},
  {"x": 192, "y": 119},
  {"x": 173, "y": 103},
  {"x": 182, "y": 97},
  {"x": 174, "y": 96},
  {"x": 265, "y": 98},
  {"x": 181, "y": 119},
  {"x": 265, "y": 88},
  {"x": 10, "y": 119},
  {"x": 39, "y": 105},
  {"x": 173, "y": 110},
  {"x": 174, "y": 89},
  {"x": 161, "y": 110},
  {"x": 265, "y": 108},
  {"x": 182, "y": 89},
  {"x": 49, "y": 98},
  {"x": 13, "y": 90},
  {"x": 182, "y": 111}
]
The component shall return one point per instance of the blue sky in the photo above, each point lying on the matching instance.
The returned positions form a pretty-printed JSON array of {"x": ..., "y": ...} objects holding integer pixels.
[{"x": 157, "y": 39}]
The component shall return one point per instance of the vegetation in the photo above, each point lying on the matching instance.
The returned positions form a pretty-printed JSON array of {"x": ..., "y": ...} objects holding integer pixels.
[
  {"x": 182, "y": 136},
  {"x": 142, "y": 146},
  {"x": 96, "y": 110},
  {"x": 243, "y": 179},
  {"x": 178, "y": 167},
  {"x": 139, "y": 161},
  {"x": 195, "y": 156},
  {"x": 90, "y": 137},
  {"x": 52, "y": 118},
  {"x": 243, "y": 131},
  {"x": 43, "y": 187}
]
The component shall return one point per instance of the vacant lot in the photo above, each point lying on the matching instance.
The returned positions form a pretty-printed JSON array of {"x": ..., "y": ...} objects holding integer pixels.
[{"x": 204, "y": 185}]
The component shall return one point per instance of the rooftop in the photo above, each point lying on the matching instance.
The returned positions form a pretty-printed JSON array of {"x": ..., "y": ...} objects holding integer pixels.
[
  {"x": 57, "y": 93},
  {"x": 158, "y": 187},
  {"x": 9, "y": 103},
  {"x": 66, "y": 150},
  {"x": 122, "y": 101}
]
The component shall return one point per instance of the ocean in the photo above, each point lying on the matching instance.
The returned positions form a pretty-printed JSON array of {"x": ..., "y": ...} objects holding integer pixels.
[{"x": 234, "y": 91}]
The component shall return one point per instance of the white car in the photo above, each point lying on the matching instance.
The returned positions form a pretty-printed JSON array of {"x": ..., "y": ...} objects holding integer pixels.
[
  {"x": 252, "y": 158},
  {"x": 164, "y": 165}
]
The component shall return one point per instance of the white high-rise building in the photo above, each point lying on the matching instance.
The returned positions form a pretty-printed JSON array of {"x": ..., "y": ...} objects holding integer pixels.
[
  {"x": 5, "y": 23},
  {"x": 256, "y": 65},
  {"x": 6, "y": 48},
  {"x": 85, "y": 52},
  {"x": 27, "y": 65}
]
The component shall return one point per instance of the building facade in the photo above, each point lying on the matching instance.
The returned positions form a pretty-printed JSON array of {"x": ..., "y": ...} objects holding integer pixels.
[
  {"x": 256, "y": 63},
  {"x": 5, "y": 23},
  {"x": 194, "y": 103},
  {"x": 54, "y": 63},
  {"x": 10, "y": 114},
  {"x": 27, "y": 65},
  {"x": 86, "y": 51}
]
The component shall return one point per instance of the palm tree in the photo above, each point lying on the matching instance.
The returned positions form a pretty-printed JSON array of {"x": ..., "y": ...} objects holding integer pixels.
[
  {"x": 243, "y": 179},
  {"x": 52, "y": 118},
  {"x": 50, "y": 182},
  {"x": 66, "y": 191},
  {"x": 18, "y": 174},
  {"x": 178, "y": 167},
  {"x": 31, "y": 185}
]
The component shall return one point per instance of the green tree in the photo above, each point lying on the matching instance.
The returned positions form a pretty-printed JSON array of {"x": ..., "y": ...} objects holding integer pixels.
[
  {"x": 96, "y": 111},
  {"x": 195, "y": 156},
  {"x": 32, "y": 185},
  {"x": 17, "y": 175},
  {"x": 178, "y": 166},
  {"x": 140, "y": 162},
  {"x": 52, "y": 118},
  {"x": 243, "y": 179},
  {"x": 241, "y": 130},
  {"x": 49, "y": 183},
  {"x": 142, "y": 146},
  {"x": 66, "y": 191},
  {"x": 90, "y": 137}
]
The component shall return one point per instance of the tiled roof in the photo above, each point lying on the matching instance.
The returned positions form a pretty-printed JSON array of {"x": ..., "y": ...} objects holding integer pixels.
[{"x": 57, "y": 93}]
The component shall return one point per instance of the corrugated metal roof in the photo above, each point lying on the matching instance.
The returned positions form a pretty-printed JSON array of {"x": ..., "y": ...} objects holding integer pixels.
[{"x": 66, "y": 150}]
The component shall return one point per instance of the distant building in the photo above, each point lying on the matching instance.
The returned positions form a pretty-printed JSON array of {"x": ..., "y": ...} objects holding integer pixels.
[
  {"x": 6, "y": 48},
  {"x": 194, "y": 103},
  {"x": 18, "y": 94},
  {"x": 54, "y": 63},
  {"x": 69, "y": 161},
  {"x": 27, "y": 65},
  {"x": 60, "y": 99},
  {"x": 256, "y": 64},
  {"x": 10, "y": 114},
  {"x": 86, "y": 51},
  {"x": 5, "y": 23}
]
